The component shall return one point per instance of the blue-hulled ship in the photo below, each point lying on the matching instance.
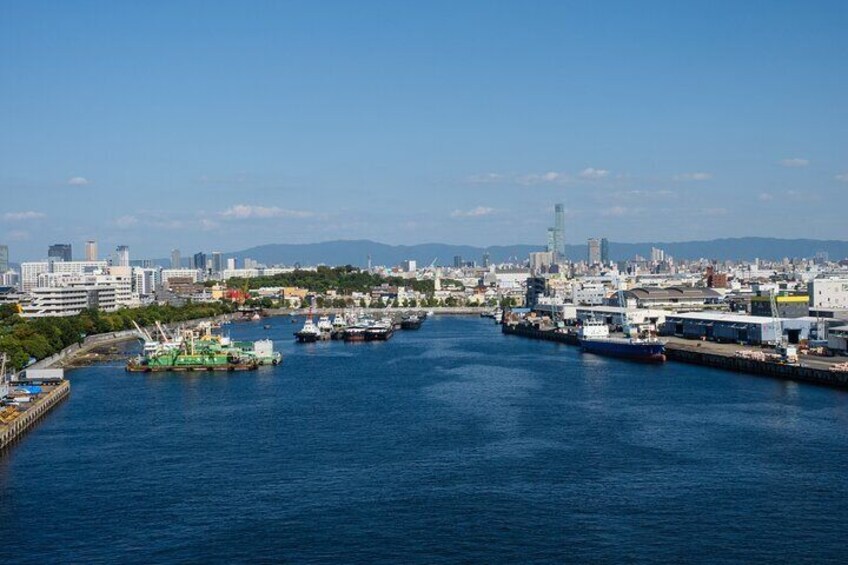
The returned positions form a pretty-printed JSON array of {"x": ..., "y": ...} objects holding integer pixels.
[{"x": 594, "y": 338}]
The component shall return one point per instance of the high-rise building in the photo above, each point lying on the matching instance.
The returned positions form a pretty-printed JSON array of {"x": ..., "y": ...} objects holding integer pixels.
[
  {"x": 59, "y": 252},
  {"x": 91, "y": 250},
  {"x": 457, "y": 261},
  {"x": 122, "y": 253},
  {"x": 199, "y": 261},
  {"x": 594, "y": 251},
  {"x": 486, "y": 260},
  {"x": 605, "y": 258},
  {"x": 657, "y": 255},
  {"x": 556, "y": 234},
  {"x": 217, "y": 262},
  {"x": 4, "y": 258},
  {"x": 231, "y": 264},
  {"x": 175, "y": 259}
]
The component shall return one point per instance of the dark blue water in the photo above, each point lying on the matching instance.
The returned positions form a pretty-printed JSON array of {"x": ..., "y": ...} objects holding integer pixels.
[{"x": 453, "y": 443}]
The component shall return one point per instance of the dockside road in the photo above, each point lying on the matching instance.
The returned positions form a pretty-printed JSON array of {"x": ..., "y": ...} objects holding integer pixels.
[{"x": 20, "y": 422}]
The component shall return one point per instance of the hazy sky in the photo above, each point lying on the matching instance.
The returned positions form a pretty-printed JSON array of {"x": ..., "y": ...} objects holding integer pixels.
[{"x": 220, "y": 125}]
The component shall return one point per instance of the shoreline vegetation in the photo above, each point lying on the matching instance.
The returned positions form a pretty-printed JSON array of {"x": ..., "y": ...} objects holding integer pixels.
[{"x": 27, "y": 339}]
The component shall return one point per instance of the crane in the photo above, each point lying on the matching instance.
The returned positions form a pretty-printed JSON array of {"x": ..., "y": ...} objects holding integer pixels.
[{"x": 788, "y": 353}]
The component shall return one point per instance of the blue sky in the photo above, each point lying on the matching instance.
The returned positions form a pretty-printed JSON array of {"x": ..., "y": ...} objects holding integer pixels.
[{"x": 220, "y": 125}]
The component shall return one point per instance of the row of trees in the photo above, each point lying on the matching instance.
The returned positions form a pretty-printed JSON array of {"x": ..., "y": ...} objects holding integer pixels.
[
  {"x": 36, "y": 338},
  {"x": 343, "y": 280}
]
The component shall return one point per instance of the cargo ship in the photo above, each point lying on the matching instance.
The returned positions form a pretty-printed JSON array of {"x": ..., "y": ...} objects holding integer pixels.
[{"x": 594, "y": 337}]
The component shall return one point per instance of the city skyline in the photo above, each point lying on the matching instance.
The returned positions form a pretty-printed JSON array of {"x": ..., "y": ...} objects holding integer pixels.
[{"x": 303, "y": 124}]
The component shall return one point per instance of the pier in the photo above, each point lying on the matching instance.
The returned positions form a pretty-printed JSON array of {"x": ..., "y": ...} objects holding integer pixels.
[{"x": 46, "y": 402}]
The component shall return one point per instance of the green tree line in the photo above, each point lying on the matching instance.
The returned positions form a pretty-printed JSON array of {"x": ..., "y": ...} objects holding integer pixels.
[{"x": 343, "y": 280}]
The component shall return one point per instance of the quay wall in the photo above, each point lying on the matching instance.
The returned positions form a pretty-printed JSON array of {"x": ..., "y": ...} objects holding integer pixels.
[
  {"x": 710, "y": 359},
  {"x": 33, "y": 414},
  {"x": 752, "y": 366}
]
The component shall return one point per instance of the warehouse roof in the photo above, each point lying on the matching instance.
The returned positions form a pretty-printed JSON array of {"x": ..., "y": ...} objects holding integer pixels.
[
  {"x": 673, "y": 293},
  {"x": 727, "y": 317}
]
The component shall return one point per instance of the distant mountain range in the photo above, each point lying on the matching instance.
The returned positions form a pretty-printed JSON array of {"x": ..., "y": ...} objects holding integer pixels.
[{"x": 356, "y": 252}]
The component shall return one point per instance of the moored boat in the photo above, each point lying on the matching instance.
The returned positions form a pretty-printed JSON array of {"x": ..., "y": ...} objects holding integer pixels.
[{"x": 594, "y": 337}]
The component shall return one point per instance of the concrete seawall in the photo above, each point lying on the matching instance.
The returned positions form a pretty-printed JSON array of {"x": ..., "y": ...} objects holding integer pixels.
[
  {"x": 715, "y": 359},
  {"x": 752, "y": 366},
  {"x": 13, "y": 431}
]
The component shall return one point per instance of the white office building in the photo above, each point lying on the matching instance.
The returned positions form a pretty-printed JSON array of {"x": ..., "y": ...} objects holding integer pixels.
[
  {"x": 68, "y": 300},
  {"x": 828, "y": 293}
]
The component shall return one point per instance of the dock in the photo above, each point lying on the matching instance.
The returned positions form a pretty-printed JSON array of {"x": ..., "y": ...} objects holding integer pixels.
[
  {"x": 709, "y": 354},
  {"x": 45, "y": 402}
]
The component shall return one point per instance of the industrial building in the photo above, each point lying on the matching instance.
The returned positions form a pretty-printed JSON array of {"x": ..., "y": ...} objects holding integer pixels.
[
  {"x": 828, "y": 293},
  {"x": 837, "y": 340},
  {"x": 672, "y": 297},
  {"x": 737, "y": 328},
  {"x": 788, "y": 306}
]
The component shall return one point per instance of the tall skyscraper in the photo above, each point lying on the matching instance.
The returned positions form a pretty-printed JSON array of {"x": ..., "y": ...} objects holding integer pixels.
[
  {"x": 605, "y": 259},
  {"x": 91, "y": 250},
  {"x": 217, "y": 262},
  {"x": 594, "y": 251},
  {"x": 59, "y": 252},
  {"x": 4, "y": 258},
  {"x": 175, "y": 259},
  {"x": 123, "y": 255},
  {"x": 457, "y": 261},
  {"x": 556, "y": 234},
  {"x": 199, "y": 261}
]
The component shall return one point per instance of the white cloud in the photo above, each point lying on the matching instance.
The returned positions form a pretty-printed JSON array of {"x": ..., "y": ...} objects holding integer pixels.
[
  {"x": 20, "y": 216},
  {"x": 208, "y": 225},
  {"x": 765, "y": 197},
  {"x": 473, "y": 213},
  {"x": 78, "y": 181},
  {"x": 699, "y": 176},
  {"x": 246, "y": 212},
  {"x": 126, "y": 222},
  {"x": 18, "y": 235},
  {"x": 842, "y": 177},
  {"x": 615, "y": 211},
  {"x": 486, "y": 178},
  {"x": 593, "y": 173},
  {"x": 551, "y": 177},
  {"x": 795, "y": 162}
]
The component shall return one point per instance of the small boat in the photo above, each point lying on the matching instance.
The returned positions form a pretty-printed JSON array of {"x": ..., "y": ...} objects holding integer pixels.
[
  {"x": 267, "y": 326},
  {"x": 412, "y": 322},
  {"x": 309, "y": 333}
]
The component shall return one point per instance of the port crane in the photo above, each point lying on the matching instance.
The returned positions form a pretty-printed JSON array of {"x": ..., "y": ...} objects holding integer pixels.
[{"x": 788, "y": 353}]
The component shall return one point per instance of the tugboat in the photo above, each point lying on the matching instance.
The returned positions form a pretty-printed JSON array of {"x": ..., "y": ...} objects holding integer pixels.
[
  {"x": 594, "y": 338},
  {"x": 309, "y": 333},
  {"x": 325, "y": 328},
  {"x": 339, "y": 327}
]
